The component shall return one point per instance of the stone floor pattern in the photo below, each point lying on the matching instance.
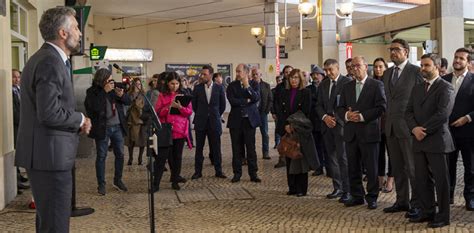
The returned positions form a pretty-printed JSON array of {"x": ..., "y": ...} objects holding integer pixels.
[{"x": 216, "y": 205}]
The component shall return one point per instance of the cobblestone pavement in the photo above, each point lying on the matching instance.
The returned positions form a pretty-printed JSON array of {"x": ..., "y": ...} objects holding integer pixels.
[{"x": 216, "y": 205}]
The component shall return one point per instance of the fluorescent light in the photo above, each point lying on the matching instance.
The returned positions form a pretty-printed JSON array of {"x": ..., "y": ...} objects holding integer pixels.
[
  {"x": 469, "y": 22},
  {"x": 140, "y": 55}
]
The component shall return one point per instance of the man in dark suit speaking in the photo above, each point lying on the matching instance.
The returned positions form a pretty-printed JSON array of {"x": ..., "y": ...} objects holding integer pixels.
[
  {"x": 427, "y": 118},
  {"x": 361, "y": 106},
  {"x": 49, "y": 125}
]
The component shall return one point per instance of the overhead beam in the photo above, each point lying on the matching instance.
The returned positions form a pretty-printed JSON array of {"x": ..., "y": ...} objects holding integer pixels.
[{"x": 417, "y": 16}]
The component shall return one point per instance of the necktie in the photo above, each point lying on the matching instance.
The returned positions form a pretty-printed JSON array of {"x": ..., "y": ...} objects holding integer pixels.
[
  {"x": 427, "y": 86},
  {"x": 395, "y": 75},
  {"x": 68, "y": 65},
  {"x": 333, "y": 88},
  {"x": 358, "y": 89}
]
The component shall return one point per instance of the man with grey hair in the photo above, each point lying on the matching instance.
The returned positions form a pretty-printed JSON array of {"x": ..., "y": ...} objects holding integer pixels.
[
  {"x": 264, "y": 107},
  {"x": 243, "y": 95},
  {"x": 49, "y": 124}
]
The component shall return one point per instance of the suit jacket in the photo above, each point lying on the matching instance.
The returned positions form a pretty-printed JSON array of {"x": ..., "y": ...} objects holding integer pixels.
[
  {"x": 243, "y": 102},
  {"x": 431, "y": 110},
  {"x": 328, "y": 104},
  {"x": 313, "y": 115},
  {"x": 283, "y": 109},
  {"x": 463, "y": 105},
  {"x": 49, "y": 124},
  {"x": 397, "y": 99},
  {"x": 266, "y": 98},
  {"x": 211, "y": 111},
  {"x": 371, "y": 104}
]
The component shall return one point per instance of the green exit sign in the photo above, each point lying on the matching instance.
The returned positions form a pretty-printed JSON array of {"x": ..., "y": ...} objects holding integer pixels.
[{"x": 97, "y": 53}]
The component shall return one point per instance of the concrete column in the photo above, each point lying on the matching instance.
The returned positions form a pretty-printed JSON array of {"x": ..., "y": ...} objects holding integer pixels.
[
  {"x": 327, "y": 47},
  {"x": 342, "y": 46},
  {"x": 7, "y": 170},
  {"x": 271, "y": 41},
  {"x": 447, "y": 26}
]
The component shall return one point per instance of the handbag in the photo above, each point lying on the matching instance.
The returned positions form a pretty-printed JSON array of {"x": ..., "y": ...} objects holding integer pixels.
[
  {"x": 164, "y": 135},
  {"x": 290, "y": 146}
]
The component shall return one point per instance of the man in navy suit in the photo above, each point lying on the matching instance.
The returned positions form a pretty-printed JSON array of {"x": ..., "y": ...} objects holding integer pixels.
[
  {"x": 462, "y": 128},
  {"x": 208, "y": 106},
  {"x": 361, "y": 105},
  {"x": 243, "y": 95}
]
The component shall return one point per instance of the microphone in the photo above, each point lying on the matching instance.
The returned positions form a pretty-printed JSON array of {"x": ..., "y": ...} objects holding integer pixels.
[{"x": 118, "y": 68}]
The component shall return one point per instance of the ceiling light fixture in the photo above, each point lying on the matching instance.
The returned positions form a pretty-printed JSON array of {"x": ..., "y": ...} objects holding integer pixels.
[
  {"x": 346, "y": 9},
  {"x": 305, "y": 8}
]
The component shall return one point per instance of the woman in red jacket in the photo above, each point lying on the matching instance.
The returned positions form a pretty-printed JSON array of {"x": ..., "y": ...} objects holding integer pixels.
[{"x": 180, "y": 128}]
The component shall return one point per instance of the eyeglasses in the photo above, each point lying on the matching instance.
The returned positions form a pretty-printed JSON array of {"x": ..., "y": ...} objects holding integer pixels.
[
  {"x": 110, "y": 81},
  {"x": 395, "y": 49},
  {"x": 294, "y": 77},
  {"x": 357, "y": 66}
]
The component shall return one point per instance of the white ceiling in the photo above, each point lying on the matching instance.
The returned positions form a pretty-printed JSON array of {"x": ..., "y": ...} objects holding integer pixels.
[{"x": 229, "y": 12}]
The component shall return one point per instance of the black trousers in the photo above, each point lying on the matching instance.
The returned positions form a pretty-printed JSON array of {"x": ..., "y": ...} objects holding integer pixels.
[
  {"x": 382, "y": 156},
  {"x": 175, "y": 156},
  {"x": 243, "y": 139},
  {"x": 359, "y": 153},
  {"x": 52, "y": 191},
  {"x": 297, "y": 183},
  {"x": 467, "y": 152},
  {"x": 214, "y": 139},
  {"x": 429, "y": 166}
]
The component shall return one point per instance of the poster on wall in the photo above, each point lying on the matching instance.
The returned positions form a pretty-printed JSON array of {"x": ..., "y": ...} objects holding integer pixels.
[
  {"x": 226, "y": 72},
  {"x": 188, "y": 71}
]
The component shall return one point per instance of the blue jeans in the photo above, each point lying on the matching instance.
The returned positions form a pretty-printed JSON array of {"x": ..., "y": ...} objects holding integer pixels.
[
  {"x": 114, "y": 133},
  {"x": 264, "y": 131}
]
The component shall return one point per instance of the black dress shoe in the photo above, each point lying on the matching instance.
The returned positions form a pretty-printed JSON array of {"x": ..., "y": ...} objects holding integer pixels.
[
  {"x": 335, "y": 194},
  {"x": 345, "y": 198},
  {"x": 22, "y": 186},
  {"x": 354, "y": 202},
  {"x": 156, "y": 188},
  {"x": 281, "y": 163},
  {"x": 372, "y": 205},
  {"x": 395, "y": 208},
  {"x": 196, "y": 176},
  {"x": 289, "y": 193},
  {"x": 255, "y": 179},
  {"x": 437, "y": 224},
  {"x": 235, "y": 179},
  {"x": 221, "y": 175},
  {"x": 23, "y": 179},
  {"x": 175, "y": 186},
  {"x": 180, "y": 179},
  {"x": 451, "y": 201},
  {"x": 318, "y": 172},
  {"x": 422, "y": 218},
  {"x": 244, "y": 162},
  {"x": 301, "y": 194},
  {"x": 470, "y": 205},
  {"x": 413, "y": 213}
]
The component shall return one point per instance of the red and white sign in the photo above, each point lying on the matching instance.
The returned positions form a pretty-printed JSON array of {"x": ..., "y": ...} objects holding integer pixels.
[{"x": 349, "y": 50}]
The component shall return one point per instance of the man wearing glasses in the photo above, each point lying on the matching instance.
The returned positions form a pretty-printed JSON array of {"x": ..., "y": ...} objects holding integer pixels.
[{"x": 399, "y": 81}]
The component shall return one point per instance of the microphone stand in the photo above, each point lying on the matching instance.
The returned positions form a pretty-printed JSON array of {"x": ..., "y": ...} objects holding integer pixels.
[
  {"x": 76, "y": 211},
  {"x": 155, "y": 126}
]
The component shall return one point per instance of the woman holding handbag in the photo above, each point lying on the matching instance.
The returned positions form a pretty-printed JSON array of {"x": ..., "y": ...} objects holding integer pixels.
[
  {"x": 295, "y": 97},
  {"x": 179, "y": 122}
]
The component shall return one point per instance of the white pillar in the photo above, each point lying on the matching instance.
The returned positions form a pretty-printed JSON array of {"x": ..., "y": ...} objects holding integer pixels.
[
  {"x": 271, "y": 41},
  {"x": 7, "y": 170},
  {"x": 447, "y": 26},
  {"x": 327, "y": 47}
]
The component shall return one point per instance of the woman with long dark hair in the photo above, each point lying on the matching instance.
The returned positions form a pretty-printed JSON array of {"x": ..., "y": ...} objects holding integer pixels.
[
  {"x": 180, "y": 129},
  {"x": 386, "y": 186},
  {"x": 137, "y": 131}
]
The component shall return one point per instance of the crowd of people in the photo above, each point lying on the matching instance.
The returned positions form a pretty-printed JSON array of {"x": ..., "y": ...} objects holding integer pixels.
[{"x": 397, "y": 128}]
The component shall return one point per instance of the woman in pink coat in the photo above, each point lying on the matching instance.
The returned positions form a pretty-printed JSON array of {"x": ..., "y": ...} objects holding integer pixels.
[{"x": 180, "y": 127}]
